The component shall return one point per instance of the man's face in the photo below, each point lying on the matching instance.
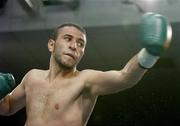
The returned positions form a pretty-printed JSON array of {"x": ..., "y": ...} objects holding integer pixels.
[{"x": 69, "y": 46}]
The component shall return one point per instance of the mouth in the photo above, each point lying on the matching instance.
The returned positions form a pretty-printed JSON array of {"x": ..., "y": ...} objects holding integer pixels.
[{"x": 70, "y": 55}]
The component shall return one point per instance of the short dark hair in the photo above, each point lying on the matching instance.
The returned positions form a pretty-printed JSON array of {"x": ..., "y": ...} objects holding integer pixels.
[{"x": 54, "y": 35}]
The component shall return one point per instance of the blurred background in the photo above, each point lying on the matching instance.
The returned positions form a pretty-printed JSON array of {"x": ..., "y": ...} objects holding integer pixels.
[{"x": 112, "y": 32}]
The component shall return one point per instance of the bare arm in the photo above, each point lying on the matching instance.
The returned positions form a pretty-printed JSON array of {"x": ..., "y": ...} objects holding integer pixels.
[
  {"x": 156, "y": 35},
  {"x": 14, "y": 101},
  {"x": 101, "y": 83}
]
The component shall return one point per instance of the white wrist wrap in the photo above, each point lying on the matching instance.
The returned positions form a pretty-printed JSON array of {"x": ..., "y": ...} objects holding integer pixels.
[{"x": 146, "y": 60}]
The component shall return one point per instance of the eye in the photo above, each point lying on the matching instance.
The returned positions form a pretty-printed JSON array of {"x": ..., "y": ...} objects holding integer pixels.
[
  {"x": 67, "y": 38},
  {"x": 80, "y": 44}
]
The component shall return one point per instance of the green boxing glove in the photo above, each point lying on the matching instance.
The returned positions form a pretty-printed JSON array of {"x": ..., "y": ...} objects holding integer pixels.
[
  {"x": 155, "y": 34},
  {"x": 7, "y": 83}
]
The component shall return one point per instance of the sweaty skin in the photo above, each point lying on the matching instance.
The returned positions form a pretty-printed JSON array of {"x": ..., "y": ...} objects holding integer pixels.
[{"x": 62, "y": 95}]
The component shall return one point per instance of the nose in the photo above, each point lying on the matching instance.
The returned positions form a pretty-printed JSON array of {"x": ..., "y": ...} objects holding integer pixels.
[{"x": 73, "y": 45}]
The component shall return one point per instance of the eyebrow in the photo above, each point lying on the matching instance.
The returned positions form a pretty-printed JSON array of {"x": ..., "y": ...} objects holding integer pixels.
[
  {"x": 68, "y": 35},
  {"x": 82, "y": 40}
]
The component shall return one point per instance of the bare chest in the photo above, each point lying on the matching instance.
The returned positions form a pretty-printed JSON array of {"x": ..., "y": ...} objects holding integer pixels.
[{"x": 56, "y": 99}]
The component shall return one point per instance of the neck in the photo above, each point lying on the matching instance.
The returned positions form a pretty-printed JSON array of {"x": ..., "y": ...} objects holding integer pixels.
[{"x": 56, "y": 69}]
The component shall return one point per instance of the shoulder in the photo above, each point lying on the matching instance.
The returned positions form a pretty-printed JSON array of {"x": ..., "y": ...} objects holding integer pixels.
[
  {"x": 89, "y": 75},
  {"x": 32, "y": 76},
  {"x": 89, "y": 72},
  {"x": 34, "y": 73}
]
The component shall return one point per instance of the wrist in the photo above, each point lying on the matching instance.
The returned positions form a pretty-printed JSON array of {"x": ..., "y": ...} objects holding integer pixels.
[{"x": 146, "y": 60}]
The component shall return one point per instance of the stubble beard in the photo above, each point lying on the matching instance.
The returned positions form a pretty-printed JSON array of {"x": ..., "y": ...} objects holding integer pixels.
[{"x": 62, "y": 64}]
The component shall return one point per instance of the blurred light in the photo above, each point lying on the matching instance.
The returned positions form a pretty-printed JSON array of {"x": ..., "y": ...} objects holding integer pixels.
[
  {"x": 149, "y": 5},
  {"x": 29, "y": 3},
  {"x": 32, "y": 7}
]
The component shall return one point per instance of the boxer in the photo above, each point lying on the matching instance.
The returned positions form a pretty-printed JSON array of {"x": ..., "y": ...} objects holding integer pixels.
[{"x": 65, "y": 96}]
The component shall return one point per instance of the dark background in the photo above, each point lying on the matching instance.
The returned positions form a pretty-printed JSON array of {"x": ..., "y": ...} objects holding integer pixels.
[
  {"x": 155, "y": 100},
  {"x": 112, "y": 33}
]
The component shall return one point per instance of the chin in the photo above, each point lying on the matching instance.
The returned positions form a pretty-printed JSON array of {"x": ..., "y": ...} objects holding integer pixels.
[{"x": 68, "y": 65}]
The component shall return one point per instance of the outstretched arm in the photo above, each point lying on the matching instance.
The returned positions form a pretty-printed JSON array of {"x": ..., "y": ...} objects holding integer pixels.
[
  {"x": 156, "y": 36},
  {"x": 101, "y": 83}
]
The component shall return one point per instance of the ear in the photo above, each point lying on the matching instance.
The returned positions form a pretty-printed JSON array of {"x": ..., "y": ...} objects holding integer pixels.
[{"x": 51, "y": 45}]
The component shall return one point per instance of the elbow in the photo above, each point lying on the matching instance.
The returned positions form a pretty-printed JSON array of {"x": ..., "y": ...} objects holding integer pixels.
[
  {"x": 10, "y": 113},
  {"x": 132, "y": 84},
  {"x": 5, "y": 107},
  {"x": 130, "y": 81},
  {"x": 5, "y": 112}
]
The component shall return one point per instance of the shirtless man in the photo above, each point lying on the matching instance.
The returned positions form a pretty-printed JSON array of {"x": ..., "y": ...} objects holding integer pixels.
[{"x": 64, "y": 96}]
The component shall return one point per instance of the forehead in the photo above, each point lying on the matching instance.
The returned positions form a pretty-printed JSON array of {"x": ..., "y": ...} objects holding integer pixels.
[{"x": 72, "y": 31}]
